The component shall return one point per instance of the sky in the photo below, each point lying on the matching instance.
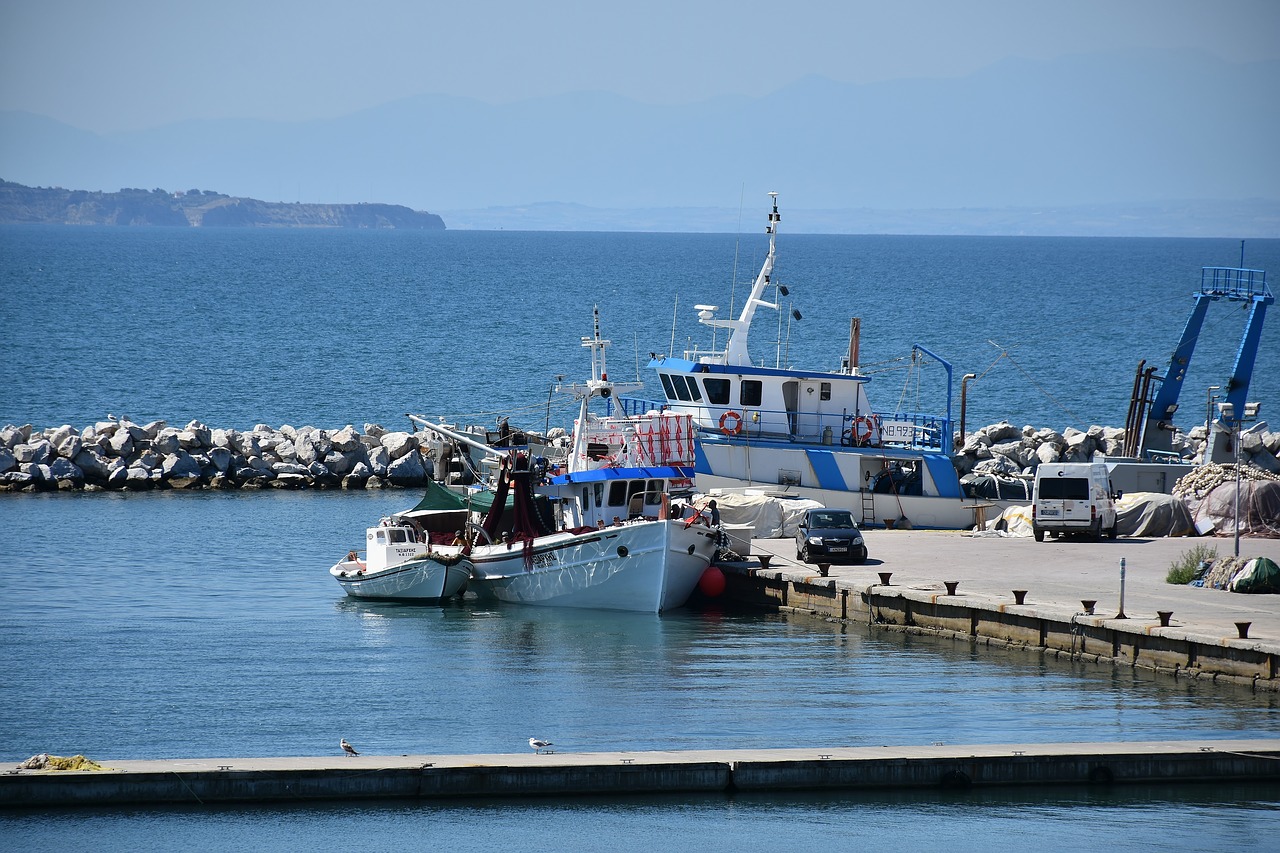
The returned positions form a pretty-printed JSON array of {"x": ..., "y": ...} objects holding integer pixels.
[{"x": 137, "y": 64}]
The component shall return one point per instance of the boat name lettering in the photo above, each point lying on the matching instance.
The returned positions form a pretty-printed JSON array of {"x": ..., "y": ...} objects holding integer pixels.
[
  {"x": 900, "y": 431},
  {"x": 544, "y": 560}
]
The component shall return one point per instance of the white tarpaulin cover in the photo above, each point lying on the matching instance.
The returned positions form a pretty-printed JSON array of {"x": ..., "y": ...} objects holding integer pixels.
[
  {"x": 771, "y": 518},
  {"x": 1153, "y": 514},
  {"x": 1137, "y": 514}
]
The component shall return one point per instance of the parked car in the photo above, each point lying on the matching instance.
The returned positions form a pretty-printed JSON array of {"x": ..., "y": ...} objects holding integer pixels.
[{"x": 829, "y": 536}]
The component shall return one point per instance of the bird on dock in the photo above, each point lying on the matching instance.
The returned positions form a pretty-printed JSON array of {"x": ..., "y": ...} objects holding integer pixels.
[
  {"x": 347, "y": 748},
  {"x": 539, "y": 745}
]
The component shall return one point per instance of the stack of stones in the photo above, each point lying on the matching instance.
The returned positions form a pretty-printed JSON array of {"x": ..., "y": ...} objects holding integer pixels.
[
  {"x": 119, "y": 454},
  {"x": 1005, "y": 450}
]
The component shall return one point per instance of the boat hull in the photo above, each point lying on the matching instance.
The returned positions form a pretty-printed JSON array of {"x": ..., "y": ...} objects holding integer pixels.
[
  {"x": 643, "y": 566},
  {"x": 421, "y": 580},
  {"x": 836, "y": 477}
]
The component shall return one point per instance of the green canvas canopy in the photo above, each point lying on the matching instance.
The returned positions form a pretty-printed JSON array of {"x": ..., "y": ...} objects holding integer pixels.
[{"x": 439, "y": 498}]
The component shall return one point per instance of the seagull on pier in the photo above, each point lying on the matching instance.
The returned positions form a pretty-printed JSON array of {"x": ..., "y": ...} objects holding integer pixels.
[
  {"x": 539, "y": 745},
  {"x": 347, "y": 748}
]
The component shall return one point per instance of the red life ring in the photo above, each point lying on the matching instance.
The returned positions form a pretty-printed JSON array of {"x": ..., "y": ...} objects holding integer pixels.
[
  {"x": 731, "y": 423},
  {"x": 862, "y": 429}
]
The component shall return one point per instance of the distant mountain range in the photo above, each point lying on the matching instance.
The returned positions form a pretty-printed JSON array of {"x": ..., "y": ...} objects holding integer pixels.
[
  {"x": 1167, "y": 142},
  {"x": 57, "y": 206}
]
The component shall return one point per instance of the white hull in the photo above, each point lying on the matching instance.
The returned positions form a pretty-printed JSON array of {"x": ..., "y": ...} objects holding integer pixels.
[
  {"x": 739, "y": 466},
  {"x": 414, "y": 580},
  {"x": 644, "y": 566}
]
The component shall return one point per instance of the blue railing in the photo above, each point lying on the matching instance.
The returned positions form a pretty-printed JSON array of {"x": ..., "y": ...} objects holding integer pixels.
[{"x": 1234, "y": 283}]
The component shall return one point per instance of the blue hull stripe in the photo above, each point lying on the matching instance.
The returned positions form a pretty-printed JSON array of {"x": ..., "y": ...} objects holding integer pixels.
[{"x": 824, "y": 465}]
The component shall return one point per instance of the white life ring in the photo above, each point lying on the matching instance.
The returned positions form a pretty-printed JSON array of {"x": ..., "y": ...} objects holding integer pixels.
[{"x": 731, "y": 423}]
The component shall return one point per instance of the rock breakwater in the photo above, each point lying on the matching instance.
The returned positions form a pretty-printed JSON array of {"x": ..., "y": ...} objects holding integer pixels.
[
  {"x": 1006, "y": 450},
  {"x": 120, "y": 454}
]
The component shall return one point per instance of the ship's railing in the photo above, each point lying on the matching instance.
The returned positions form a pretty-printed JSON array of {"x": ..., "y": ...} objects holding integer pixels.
[
  {"x": 910, "y": 430},
  {"x": 1234, "y": 283}
]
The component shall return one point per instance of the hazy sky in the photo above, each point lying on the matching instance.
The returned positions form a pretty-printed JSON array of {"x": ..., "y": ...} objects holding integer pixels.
[{"x": 132, "y": 64}]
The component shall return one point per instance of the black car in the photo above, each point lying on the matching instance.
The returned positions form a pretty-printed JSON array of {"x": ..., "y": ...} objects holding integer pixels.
[{"x": 829, "y": 536}]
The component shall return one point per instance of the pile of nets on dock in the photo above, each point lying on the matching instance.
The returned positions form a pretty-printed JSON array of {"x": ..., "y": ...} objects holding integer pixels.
[{"x": 1257, "y": 575}]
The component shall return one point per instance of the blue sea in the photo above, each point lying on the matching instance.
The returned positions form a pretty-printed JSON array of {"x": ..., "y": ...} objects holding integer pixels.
[{"x": 205, "y": 624}]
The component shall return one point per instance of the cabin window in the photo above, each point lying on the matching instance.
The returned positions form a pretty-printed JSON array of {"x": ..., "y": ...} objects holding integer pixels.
[
  {"x": 653, "y": 494},
  {"x": 397, "y": 535},
  {"x": 666, "y": 385},
  {"x": 717, "y": 391},
  {"x": 824, "y": 391},
  {"x": 586, "y": 499},
  {"x": 682, "y": 388},
  {"x": 751, "y": 392},
  {"x": 693, "y": 389},
  {"x": 599, "y": 489},
  {"x": 618, "y": 493},
  {"x": 382, "y": 537}
]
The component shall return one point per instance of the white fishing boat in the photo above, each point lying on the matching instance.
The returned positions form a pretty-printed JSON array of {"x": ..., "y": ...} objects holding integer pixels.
[
  {"x": 602, "y": 534},
  {"x": 810, "y": 433},
  {"x": 410, "y": 556}
]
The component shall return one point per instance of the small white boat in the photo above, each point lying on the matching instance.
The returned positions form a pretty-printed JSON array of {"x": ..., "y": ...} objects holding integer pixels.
[
  {"x": 406, "y": 558},
  {"x": 601, "y": 535}
]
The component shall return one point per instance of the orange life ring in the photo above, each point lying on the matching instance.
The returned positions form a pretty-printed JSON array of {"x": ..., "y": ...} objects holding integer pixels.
[
  {"x": 862, "y": 429},
  {"x": 731, "y": 423}
]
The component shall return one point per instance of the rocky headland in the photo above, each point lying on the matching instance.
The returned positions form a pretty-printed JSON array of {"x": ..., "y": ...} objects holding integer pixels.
[{"x": 195, "y": 208}]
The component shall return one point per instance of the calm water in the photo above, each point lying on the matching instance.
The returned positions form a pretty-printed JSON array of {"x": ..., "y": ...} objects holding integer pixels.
[
  {"x": 171, "y": 624},
  {"x": 237, "y": 327}
]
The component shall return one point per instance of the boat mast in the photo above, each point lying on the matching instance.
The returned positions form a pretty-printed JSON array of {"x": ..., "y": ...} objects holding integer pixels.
[{"x": 735, "y": 351}]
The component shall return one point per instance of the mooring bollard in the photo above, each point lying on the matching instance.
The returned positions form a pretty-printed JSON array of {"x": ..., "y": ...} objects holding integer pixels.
[
  {"x": 951, "y": 586},
  {"x": 764, "y": 560},
  {"x": 1243, "y": 628},
  {"x": 884, "y": 577},
  {"x": 823, "y": 568},
  {"x": 1088, "y": 604},
  {"x": 1019, "y": 596},
  {"x": 1165, "y": 616}
]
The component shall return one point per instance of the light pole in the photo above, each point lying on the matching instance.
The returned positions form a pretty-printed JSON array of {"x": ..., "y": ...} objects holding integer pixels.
[
  {"x": 1233, "y": 424},
  {"x": 1208, "y": 417}
]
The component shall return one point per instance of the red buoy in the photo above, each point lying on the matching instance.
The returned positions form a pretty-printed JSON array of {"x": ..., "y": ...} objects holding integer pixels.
[{"x": 712, "y": 582}]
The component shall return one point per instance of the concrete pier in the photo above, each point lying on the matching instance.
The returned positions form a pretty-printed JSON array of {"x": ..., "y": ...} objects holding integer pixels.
[
  {"x": 228, "y": 780},
  {"x": 968, "y": 587}
]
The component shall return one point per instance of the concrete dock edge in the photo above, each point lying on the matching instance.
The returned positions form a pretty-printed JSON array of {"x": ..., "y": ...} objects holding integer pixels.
[{"x": 301, "y": 780}]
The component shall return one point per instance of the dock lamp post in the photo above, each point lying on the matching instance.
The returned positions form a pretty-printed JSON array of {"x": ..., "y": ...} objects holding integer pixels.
[{"x": 1233, "y": 424}]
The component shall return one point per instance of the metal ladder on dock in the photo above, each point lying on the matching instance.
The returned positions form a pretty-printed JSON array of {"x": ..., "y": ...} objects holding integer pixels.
[{"x": 868, "y": 507}]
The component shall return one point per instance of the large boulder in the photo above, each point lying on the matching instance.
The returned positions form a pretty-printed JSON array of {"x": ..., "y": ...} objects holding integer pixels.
[
  {"x": 37, "y": 452},
  {"x": 64, "y": 470},
  {"x": 7, "y": 460},
  {"x": 399, "y": 444},
  {"x": 180, "y": 465},
  {"x": 346, "y": 440},
  {"x": 196, "y": 436},
  {"x": 94, "y": 464},
  {"x": 407, "y": 470},
  {"x": 11, "y": 436},
  {"x": 166, "y": 441}
]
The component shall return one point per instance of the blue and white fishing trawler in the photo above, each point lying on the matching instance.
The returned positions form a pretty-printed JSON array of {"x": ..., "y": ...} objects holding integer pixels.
[{"x": 809, "y": 433}]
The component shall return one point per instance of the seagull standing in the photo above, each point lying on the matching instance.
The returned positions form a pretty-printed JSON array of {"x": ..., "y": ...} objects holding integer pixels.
[
  {"x": 539, "y": 745},
  {"x": 347, "y": 748}
]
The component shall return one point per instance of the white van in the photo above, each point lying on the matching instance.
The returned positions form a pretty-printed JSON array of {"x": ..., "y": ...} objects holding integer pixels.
[{"x": 1073, "y": 498}]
